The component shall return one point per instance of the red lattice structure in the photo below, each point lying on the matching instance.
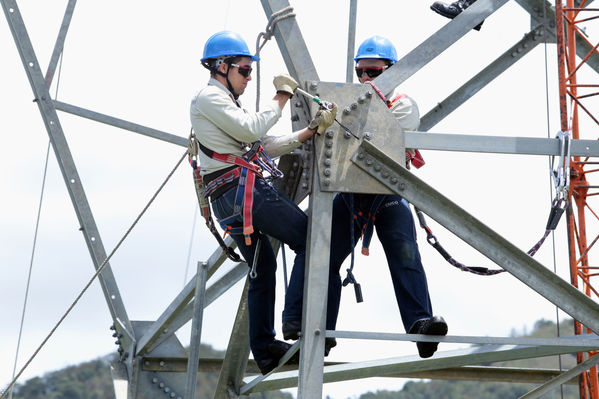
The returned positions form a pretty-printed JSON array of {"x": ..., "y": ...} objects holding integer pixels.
[{"x": 573, "y": 103}]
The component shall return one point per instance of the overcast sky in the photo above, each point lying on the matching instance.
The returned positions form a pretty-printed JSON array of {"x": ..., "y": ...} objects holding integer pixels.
[{"x": 140, "y": 61}]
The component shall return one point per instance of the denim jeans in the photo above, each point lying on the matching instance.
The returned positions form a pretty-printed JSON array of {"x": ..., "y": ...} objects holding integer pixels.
[
  {"x": 276, "y": 216},
  {"x": 395, "y": 229}
]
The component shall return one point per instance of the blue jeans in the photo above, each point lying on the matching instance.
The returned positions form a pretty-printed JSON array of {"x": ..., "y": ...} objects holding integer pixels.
[
  {"x": 395, "y": 228},
  {"x": 274, "y": 215}
]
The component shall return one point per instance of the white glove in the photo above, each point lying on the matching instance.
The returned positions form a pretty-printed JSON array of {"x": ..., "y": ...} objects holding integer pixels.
[
  {"x": 285, "y": 83},
  {"x": 323, "y": 119}
]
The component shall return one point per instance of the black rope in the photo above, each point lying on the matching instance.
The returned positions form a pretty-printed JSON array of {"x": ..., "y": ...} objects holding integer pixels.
[{"x": 557, "y": 209}]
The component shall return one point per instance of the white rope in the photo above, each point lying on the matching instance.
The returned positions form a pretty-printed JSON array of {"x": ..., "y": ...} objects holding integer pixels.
[{"x": 268, "y": 33}]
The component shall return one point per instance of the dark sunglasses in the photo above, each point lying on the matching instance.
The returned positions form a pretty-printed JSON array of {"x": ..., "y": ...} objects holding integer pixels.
[
  {"x": 244, "y": 70},
  {"x": 373, "y": 72}
]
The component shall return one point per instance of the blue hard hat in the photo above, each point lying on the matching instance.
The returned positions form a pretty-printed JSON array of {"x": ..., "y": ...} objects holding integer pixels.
[
  {"x": 226, "y": 43},
  {"x": 377, "y": 47}
]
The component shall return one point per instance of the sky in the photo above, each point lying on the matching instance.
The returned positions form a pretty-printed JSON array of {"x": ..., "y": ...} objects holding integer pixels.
[{"x": 140, "y": 61}]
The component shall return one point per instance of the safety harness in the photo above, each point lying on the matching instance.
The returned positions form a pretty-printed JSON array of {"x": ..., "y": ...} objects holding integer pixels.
[
  {"x": 558, "y": 206},
  {"x": 366, "y": 222},
  {"x": 249, "y": 167}
]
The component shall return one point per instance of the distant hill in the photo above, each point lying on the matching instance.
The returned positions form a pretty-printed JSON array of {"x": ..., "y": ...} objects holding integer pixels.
[{"x": 92, "y": 380}]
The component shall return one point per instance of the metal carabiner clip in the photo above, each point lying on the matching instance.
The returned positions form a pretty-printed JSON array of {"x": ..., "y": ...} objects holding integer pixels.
[{"x": 253, "y": 273}]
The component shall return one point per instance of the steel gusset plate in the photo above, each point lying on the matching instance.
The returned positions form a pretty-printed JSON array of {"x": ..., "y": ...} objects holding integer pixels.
[{"x": 366, "y": 116}]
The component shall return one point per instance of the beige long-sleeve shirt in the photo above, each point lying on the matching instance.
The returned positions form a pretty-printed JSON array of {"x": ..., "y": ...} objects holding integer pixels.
[
  {"x": 222, "y": 125},
  {"x": 404, "y": 110}
]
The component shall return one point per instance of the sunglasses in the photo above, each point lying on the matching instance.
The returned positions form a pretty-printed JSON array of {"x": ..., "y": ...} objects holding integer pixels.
[
  {"x": 373, "y": 72},
  {"x": 244, "y": 70}
]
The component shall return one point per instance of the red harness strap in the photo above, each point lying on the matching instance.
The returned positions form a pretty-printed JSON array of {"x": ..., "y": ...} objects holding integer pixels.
[
  {"x": 416, "y": 159},
  {"x": 250, "y": 165}
]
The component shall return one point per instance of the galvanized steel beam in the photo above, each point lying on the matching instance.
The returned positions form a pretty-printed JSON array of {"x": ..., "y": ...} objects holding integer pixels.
[
  {"x": 234, "y": 364},
  {"x": 180, "y": 311},
  {"x": 193, "y": 355},
  {"x": 120, "y": 123},
  {"x": 559, "y": 292},
  {"x": 315, "y": 293},
  {"x": 351, "y": 41},
  {"x": 498, "y": 144},
  {"x": 436, "y": 44},
  {"x": 541, "y": 11},
  {"x": 561, "y": 379},
  {"x": 414, "y": 364},
  {"x": 59, "y": 45},
  {"x": 67, "y": 165},
  {"x": 481, "y": 79}
]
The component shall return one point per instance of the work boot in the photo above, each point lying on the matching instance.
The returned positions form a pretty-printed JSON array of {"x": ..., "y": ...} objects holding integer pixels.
[
  {"x": 329, "y": 343},
  {"x": 435, "y": 325},
  {"x": 292, "y": 329},
  {"x": 277, "y": 350},
  {"x": 454, "y": 9}
]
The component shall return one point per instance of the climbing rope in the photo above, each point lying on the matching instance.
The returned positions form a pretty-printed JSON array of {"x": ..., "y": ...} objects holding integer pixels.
[
  {"x": 37, "y": 223},
  {"x": 268, "y": 33},
  {"x": 550, "y": 160},
  {"x": 98, "y": 271}
]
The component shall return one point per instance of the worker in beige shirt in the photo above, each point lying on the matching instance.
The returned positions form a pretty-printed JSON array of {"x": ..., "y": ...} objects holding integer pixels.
[{"x": 236, "y": 153}]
